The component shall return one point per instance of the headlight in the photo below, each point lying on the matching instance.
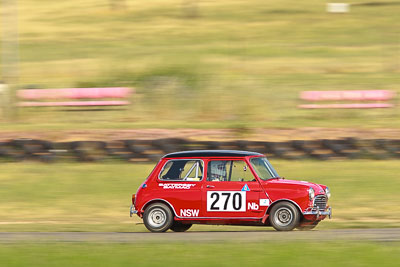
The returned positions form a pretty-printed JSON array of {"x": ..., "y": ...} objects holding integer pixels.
[
  {"x": 311, "y": 193},
  {"x": 328, "y": 192}
]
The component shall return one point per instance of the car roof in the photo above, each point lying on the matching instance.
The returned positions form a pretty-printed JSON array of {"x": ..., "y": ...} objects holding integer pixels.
[{"x": 211, "y": 153}]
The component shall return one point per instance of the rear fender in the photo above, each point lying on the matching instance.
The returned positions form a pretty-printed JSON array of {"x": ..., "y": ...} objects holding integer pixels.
[{"x": 160, "y": 200}]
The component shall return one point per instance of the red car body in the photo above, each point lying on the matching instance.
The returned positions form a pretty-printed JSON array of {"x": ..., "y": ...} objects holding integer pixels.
[{"x": 226, "y": 187}]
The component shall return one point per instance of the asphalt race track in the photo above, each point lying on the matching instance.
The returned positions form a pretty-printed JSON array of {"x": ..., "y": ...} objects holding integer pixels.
[{"x": 383, "y": 235}]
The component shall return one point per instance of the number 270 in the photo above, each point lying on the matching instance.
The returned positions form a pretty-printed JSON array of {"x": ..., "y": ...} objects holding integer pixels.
[{"x": 225, "y": 201}]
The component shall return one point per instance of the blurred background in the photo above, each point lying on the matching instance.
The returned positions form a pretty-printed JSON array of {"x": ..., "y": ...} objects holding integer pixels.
[
  {"x": 207, "y": 64},
  {"x": 198, "y": 71}
]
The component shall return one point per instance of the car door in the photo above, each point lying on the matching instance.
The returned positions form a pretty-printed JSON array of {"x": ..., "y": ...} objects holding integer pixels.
[
  {"x": 230, "y": 190},
  {"x": 180, "y": 183}
]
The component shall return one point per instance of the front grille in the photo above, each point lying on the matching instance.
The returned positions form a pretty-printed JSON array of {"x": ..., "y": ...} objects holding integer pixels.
[{"x": 320, "y": 202}]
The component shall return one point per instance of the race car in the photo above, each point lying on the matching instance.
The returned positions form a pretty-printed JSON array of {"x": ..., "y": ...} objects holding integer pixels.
[{"x": 226, "y": 187}]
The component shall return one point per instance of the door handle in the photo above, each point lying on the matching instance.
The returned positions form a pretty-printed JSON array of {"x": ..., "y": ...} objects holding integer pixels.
[{"x": 210, "y": 186}]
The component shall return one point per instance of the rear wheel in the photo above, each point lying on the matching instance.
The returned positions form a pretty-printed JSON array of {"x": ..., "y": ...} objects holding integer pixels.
[
  {"x": 284, "y": 216},
  {"x": 180, "y": 227},
  {"x": 158, "y": 217}
]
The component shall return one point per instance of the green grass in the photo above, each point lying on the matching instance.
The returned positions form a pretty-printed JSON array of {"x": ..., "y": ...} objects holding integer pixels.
[
  {"x": 238, "y": 63},
  {"x": 201, "y": 254},
  {"x": 96, "y": 197}
]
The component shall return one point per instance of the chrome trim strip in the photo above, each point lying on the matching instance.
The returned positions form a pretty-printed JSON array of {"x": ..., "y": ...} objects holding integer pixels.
[
  {"x": 223, "y": 218},
  {"x": 316, "y": 211}
]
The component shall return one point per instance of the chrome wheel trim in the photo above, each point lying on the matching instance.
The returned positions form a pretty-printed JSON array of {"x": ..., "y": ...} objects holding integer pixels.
[
  {"x": 157, "y": 217},
  {"x": 283, "y": 217}
]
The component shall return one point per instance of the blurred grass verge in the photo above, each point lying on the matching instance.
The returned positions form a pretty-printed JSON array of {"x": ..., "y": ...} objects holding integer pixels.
[
  {"x": 234, "y": 64},
  {"x": 200, "y": 254},
  {"x": 96, "y": 197}
]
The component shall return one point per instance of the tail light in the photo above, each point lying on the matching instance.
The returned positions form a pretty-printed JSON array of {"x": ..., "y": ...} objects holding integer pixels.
[{"x": 133, "y": 199}]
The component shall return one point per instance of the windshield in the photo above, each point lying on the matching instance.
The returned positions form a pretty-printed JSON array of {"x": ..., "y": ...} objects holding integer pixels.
[{"x": 263, "y": 168}]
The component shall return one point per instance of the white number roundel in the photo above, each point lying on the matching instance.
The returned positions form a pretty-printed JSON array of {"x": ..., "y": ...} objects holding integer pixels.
[{"x": 226, "y": 200}]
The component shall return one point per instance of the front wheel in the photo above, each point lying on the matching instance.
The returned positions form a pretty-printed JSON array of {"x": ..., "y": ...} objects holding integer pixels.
[
  {"x": 284, "y": 216},
  {"x": 158, "y": 217}
]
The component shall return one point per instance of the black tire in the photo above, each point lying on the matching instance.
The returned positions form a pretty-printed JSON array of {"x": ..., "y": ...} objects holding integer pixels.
[
  {"x": 284, "y": 216},
  {"x": 307, "y": 227},
  {"x": 158, "y": 217},
  {"x": 180, "y": 227}
]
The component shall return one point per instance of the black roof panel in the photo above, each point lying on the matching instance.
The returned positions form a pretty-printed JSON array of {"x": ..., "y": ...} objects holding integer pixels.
[{"x": 211, "y": 153}]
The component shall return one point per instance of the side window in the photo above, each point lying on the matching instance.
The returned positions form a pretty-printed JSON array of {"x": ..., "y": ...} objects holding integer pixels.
[
  {"x": 216, "y": 170},
  {"x": 240, "y": 171},
  {"x": 182, "y": 170},
  {"x": 229, "y": 170}
]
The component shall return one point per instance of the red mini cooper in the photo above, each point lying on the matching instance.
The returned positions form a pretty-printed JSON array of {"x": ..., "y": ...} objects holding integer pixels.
[{"x": 226, "y": 187}]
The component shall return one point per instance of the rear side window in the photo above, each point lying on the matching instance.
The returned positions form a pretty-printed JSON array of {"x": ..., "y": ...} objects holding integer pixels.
[{"x": 182, "y": 170}]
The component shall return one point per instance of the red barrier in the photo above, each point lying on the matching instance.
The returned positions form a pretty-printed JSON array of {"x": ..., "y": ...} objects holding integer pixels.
[
  {"x": 74, "y": 93},
  {"x": 378, "y": 96}
]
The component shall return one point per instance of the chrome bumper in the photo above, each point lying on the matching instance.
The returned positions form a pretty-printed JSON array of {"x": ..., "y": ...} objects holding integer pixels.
[
  {"x": 317, "y": 212},
  {"x": 132, "y": 211}
]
